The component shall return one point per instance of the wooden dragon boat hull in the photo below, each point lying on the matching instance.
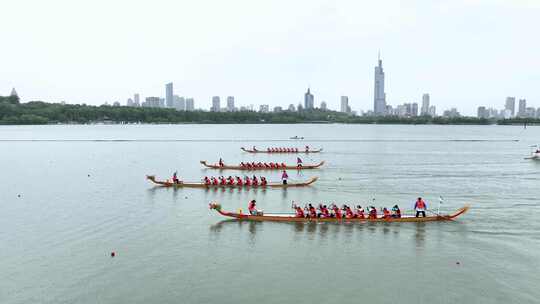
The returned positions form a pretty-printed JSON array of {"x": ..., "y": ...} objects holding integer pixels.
[
  {"x": 303, "y": 167},
  {"x": 292, "y": 218},
  {"x": 265, "y": 151},
  {"x": 152, "y": 178}
]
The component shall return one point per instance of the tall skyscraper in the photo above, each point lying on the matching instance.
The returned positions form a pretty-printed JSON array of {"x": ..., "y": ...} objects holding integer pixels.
[
  {"x": 522, "y": 110},
  {"x": 230, "y": 104},
  {"x": 309, "y": 100},
  {"x": 379, "y": 101},
  {"x": 425, "y": 104},
  {"x": 136, "y": 100},
  {"x": 190, "y": 104},
  {"x": 510, "y": 105},
  {"x": 414, "y": 109},
  {"x": 216, "y": 104},
  {"x": 169, "y": 97},
  {"x": 344, "y": 104}
]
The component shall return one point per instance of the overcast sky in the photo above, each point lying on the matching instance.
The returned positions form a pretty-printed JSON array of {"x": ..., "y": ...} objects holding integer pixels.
[{"x": 464, "y": 53}]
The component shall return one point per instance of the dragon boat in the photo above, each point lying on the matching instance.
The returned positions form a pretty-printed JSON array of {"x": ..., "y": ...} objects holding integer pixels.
[
  {"x": 290, "y": 217},
  {"x": 251, "y": 168},
  {"x": 281, "y": 152},
  {"x": 183, "y": 184}
]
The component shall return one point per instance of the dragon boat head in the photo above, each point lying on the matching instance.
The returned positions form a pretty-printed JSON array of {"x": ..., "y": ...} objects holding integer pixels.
[
  {"x": 215, "y": 206},
  {"x": 151, "y": 177}
]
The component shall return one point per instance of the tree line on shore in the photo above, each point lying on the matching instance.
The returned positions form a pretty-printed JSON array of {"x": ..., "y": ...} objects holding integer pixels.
[{"x": 12, "y": 112}]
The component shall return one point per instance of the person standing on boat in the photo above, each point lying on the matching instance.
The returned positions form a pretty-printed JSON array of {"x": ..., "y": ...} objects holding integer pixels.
[
  {"x": 307, "y": 148},
  {"x": 298, "y": 162},
  {"x": 420, "y": 206},
  {"x": 284, "y": 177},
  {"x": 221, "y": 164},
  {"x": 175, "y": 177}
]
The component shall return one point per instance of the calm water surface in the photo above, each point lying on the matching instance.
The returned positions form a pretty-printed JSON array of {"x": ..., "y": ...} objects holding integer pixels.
[{"x": 83, "y": 194}]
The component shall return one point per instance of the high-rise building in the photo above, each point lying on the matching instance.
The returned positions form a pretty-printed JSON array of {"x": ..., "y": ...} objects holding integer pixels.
[
  {"x": 230, "y": 104},
  {"x": 522, "y": 110},
  {"x": 179, "y": 103},
  {"x": 510, "y": 105},
  {"x": 425, "y": 104},
  {"x": 136, "y": 100},
  {"x": 129, "y": 102},
  {"x": 278, "y": 109},
  {"x": 323, "y": 106},
  {"x": 379, "y": 101},
  {"x": 264, "y": 108},
  {"x": 432, "y": 111},
  {"x": 152, "y": 102},
  {"x": 169, "y": 97},
  {"x": 344, "y": 104},
  {"x": 291, "y": 108},
  {"x": 309, "y": 100},
  {"x": 414, "y": 109},
  {"x": 482, "y": 112},
  {"x": 216, "y": 104},
  {"x": 190, "y": 104}
]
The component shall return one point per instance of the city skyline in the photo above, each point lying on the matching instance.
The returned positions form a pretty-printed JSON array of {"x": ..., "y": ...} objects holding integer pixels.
[{"x": 281, "y": 52}]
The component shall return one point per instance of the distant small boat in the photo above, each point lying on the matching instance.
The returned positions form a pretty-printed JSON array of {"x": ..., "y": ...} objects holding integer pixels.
[
  {"x": 535, "y": 153},
  {"x": 181, "y": 184},
  {"x": 287, "y": 167},
  {"x": 296, "y": 137},
  {"x": 269, "y": 150},
  {"x": 292, "y": 218}
]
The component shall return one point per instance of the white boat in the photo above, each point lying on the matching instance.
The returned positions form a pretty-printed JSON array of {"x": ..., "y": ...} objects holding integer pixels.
[{"x": 535, "y": 153}]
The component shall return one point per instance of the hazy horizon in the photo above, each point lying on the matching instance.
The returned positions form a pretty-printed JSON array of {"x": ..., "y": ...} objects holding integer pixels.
[{"x": 463, "y": 53}]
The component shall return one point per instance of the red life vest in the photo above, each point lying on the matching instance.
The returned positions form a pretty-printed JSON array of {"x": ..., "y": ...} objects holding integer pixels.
[
  {"x": 420, "y": 204},
  {"x": 299, "y": 212}
]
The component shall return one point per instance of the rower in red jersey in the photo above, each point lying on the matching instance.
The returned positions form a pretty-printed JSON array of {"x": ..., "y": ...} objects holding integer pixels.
[
  {"x": 222, "y": 181},
  {"x": 207, "y": 181},
  {"x": 263, "y": 181},
  {"x": 247, "y": 181},
  {"x": 230, "y": 181},
  {"x": 214, "y": 181},
  {"x": 255, "y": 181},
  {"x": 348, "y": 212},
  {"x": 337, "y": 211},
  {"x": 386, "y": 213},
  {"x": 239, "y": 181},
  {"x": 312, "y": 211},
  {"x": 299, "y": 211},
  {"x": 372, "y": 212},
  {"x": 360, "y": 212}
]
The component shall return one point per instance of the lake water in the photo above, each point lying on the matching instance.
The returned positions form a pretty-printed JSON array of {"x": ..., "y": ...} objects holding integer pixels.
[{"x": 70, "y": 195}]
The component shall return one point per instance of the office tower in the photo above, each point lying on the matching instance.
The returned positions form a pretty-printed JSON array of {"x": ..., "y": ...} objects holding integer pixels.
[
  {"x": 136, "y": 100},
  {"x": 264, "y": 108},
  {"x": 216, "y": 104},
  {"x": 510, "y": 105},
  {"x": 190, "y": 104},
  {"x": 129, "y": 102},
  {"x": 344, "y": 104},
  {"x": 425, "y": 104},
  {"x": 379, "y": 101},
  {"x": 291, "y": 108},
  {"x": 169, "y": 99},
  {"x": 432, "y": 111},
  {"x": 482, "y": 112},
  {"x": 414, "y": 109},
  {"x": 179, "y": 103},
  {"x": 323, "y": 106},
  {"x": 230, "y": 104},
  {"x": 522, "y": 108},
  {"x": 278, "y": 109},
  {"x": 309, "y": 100},
  {"x": 152, "y": 102}
]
